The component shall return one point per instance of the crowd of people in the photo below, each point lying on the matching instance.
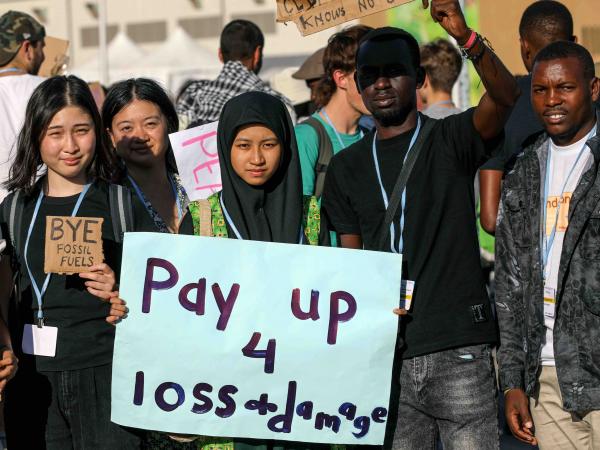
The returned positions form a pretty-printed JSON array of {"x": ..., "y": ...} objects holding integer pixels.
[{"x": 384, "y": 161}]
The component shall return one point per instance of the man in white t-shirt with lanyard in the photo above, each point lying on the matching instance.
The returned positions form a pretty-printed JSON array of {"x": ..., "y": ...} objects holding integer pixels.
[
  {"x": 548, "y": 262},
  {"x": 21, "y": 55}
]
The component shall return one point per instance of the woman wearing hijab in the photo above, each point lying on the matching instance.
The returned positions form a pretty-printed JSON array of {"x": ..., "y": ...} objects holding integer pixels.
[{"x": 261, "y": 198}]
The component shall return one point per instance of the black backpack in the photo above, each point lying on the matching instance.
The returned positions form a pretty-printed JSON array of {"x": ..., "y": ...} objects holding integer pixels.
[{"x": 325, "y": 154}]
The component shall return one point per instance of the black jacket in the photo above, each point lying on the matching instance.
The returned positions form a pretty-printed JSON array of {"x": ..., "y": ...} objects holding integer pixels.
[{"x": 519, "y": 291}]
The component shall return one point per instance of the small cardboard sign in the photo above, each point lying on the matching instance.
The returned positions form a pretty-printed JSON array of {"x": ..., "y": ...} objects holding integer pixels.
[
  {"x": 73, "y": 244},
  {"x": 312, "y": 16},
  {"x": 197, "y": 159},
  {"x": 55, "y": 57}
]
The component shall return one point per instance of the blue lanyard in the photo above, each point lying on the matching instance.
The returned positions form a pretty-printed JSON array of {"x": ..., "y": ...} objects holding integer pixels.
[
  {"x": 11, "y": 69},
  {"x": 339, "y": 138},
  {"x": 548, "y": 242},
  {"x": 140, "y": 195},
  {"x": 235, "y": 230},
  {"x": 39, "y": 293},
  {"x": 384, "y": 194}
]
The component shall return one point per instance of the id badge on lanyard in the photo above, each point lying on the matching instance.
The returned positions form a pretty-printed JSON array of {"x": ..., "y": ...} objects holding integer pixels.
[{"x": 40, "y": 339}]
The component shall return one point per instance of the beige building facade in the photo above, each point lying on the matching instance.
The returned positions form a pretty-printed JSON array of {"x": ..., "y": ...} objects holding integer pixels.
[{"x": 148, "y": 23}]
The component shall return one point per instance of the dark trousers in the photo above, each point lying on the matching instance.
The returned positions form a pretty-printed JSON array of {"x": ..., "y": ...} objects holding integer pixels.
[
  {"x": 66, "y": 410},
  {"x": 450, "y": 395}
]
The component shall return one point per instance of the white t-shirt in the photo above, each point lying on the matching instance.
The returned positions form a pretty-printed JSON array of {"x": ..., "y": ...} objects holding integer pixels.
[
  {"x": 563, "y": 174},
  {"x": 15, "y": 91}
]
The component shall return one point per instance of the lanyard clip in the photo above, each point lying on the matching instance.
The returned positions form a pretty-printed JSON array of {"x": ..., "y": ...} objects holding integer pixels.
[{"x": 40, "y": 322}]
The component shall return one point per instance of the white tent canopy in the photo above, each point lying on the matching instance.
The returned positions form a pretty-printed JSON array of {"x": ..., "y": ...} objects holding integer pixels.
[
  {"x": 122, "y": 52},
  {"x": 181, "y": 51},
  {"x": 178, "y": 59}
]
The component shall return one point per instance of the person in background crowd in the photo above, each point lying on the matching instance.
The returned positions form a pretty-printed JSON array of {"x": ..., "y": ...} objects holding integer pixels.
[
  {"x": 241, "y": 51},
  {"x": 139, "y": 116},
  {"x": 542, "y": 23},
  {"x": 295, "y": 90},
  {"x": 335, "y": 126},
  {"x": 61, "y": 401},
  {"x": 548, "y": 261},
  {"x": 442, "y": 63},
  {"x": 21, "y": 55},
  {"x": 311, "y": 72},
  {"x": 446, "y": 383}
]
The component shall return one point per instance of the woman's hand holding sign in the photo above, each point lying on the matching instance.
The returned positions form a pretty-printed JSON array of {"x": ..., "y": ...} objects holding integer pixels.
[{"x": 102, "y": 283}]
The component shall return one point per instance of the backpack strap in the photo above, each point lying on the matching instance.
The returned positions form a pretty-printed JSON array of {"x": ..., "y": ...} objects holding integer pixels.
[
  {"x": 402, "y": 180},
  {"x": 121, "y": 210},
  {"x": 201, "y": 217},
  {"x": 311, "y": 219},
  {"x": 13, "y": 211},
  {"x": 325, "y": 154}
]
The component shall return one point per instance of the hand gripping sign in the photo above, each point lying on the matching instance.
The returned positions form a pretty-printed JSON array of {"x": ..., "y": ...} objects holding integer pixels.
[
  {"x": 255, "y": 340},
  {"x": 197, "y": 160}
]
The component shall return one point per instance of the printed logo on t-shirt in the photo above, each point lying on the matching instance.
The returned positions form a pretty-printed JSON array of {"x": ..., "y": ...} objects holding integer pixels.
[{"x": 563, "y": 217}]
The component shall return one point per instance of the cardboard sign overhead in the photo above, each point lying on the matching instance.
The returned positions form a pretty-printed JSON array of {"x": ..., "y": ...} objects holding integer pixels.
[
  {"x": 55, "y": 57},
  {"x": 312, "y": 16},
  {"x": 73, "y": 244},
  {"x": 289, "y": 9}
]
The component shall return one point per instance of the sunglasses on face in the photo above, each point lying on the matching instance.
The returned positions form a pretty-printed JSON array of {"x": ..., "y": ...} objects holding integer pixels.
[{"x": 368, "y": 75}]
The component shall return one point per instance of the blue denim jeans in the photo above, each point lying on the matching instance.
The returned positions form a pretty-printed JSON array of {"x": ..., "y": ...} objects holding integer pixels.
[
  {"x": 451, "y": 395},
  {"x": 79, "y": 413},
  {"x": 67, "y": 410}
]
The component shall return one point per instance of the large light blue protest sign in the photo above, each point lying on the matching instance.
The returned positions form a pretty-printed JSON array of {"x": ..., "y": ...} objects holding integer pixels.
[{"x": 256, "y": 340}]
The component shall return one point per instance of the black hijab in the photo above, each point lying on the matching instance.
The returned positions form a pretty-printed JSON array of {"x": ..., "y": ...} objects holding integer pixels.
[{"x": 271, "y": 212}]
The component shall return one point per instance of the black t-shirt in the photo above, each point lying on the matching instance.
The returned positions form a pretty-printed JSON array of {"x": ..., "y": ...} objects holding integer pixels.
[
  {"x": 441, "y": 253},
  {"x": 84, "y": 339}
]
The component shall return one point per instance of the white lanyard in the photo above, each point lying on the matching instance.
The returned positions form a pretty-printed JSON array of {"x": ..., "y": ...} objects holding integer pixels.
[
  {"x": 339, "y": 138},
  {"x": 39, "y": 293},
  {"x": 140, "y": 195},
  {"x": 384, "y": 194},
  {"x": 548, "y": 242},
  {"x": 235, "y": 230}
]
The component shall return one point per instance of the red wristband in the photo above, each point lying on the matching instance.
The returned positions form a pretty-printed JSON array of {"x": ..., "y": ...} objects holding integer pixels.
[{"x": 471, "y": 41}]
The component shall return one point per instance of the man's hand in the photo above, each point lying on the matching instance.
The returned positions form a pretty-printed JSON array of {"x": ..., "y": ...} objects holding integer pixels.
[
  {"x": 516, "y": 406},
  {"x": 449, "y": 15}
]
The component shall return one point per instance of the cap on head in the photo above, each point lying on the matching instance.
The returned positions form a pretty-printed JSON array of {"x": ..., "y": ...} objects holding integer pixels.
[
  {"x": 312, "y": 68},
  {"x": 388, "y": 34},
  {"x": 15, "y": 28}
]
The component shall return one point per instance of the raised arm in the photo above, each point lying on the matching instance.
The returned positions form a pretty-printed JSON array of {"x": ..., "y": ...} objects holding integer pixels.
[{"x": 501, "y": 87}]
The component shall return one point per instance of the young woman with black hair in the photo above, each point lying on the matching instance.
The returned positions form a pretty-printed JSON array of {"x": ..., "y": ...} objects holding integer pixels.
[
  {"x": 139, "y": 116},
  {"x": 60, "y": 398}
]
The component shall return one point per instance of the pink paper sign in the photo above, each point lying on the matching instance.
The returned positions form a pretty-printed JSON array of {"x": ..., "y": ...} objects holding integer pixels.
[{"x": 197, "y": 160}]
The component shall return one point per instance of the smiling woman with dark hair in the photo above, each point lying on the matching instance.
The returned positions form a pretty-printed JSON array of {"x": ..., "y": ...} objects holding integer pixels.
[{"x": 139, "y": 116}]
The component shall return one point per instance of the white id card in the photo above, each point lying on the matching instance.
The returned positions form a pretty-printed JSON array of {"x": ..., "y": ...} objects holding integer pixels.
[
  {"x": 407, "y": 289},
  {"x": 39, "y": 341},
  {"x": 549, "y": 302}
]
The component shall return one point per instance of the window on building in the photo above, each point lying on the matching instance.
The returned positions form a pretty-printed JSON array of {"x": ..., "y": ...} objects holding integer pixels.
[
  {"x": 89, "y": 35},
  {"x": 147, "y": 32},
  {"x": 265, "y": 21},
  {"x": 202, "y": 27}
]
